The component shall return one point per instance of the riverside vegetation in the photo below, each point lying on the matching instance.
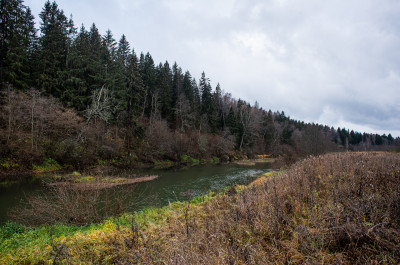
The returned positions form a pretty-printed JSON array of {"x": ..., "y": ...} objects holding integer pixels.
[{"x": 334, "y": 208}]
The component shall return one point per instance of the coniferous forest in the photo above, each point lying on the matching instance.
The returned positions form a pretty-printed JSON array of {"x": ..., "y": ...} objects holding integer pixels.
[{"x": 78, "y": 96}]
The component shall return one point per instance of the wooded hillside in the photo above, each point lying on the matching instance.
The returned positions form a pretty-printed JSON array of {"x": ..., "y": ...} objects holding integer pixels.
[{"x": 80, "y": 97}]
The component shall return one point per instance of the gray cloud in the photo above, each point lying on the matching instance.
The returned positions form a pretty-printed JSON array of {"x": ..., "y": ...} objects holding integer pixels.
[{"x": 332, "y": 62}]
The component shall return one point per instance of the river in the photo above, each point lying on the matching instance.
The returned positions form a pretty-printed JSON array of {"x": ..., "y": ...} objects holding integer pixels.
[{"x": 172, "y": 185}]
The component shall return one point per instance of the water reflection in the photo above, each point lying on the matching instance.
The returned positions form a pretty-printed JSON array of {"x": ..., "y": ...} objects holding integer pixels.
[{"x": 172, "y": 185}]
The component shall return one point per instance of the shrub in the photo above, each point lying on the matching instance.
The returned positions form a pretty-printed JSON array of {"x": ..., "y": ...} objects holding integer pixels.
[{"x": 48, "y": 165}]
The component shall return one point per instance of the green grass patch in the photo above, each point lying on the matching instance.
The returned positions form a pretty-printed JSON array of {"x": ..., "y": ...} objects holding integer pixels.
[
  {"x": 75, "y": 173},
  {"x": 8, "y": 164},
  {"x": 86, "y": 179},
  {"x": 188, "y": 160},
  {"x": 47, "y": 166},
  {"x": 215, "y": 160}
]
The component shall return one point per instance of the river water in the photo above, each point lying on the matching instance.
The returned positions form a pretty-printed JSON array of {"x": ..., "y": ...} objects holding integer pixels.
[{"x": 172, "y": 185}]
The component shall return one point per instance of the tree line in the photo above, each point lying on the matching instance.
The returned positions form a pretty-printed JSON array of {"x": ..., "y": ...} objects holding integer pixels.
[{"x": 79, "y": 96}]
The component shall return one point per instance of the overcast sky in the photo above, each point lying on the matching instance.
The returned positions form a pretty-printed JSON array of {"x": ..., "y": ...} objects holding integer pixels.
[{"x": 333, "y": 62}]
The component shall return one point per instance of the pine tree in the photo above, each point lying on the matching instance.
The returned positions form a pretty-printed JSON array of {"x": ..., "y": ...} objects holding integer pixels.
[
  {"x": 135, "y": 86},
  {"x": 123, "y": 50},
  {"x": 187, "y": 87},
  {"x": 114, "y": 69},
  {"x": 208, "y": 107},
  {"x": 17, "y": 43},
  {"x": 196, "y": 102},
  {"x": 149, "y": 77},
  {"x": 268, "y": 130},
  {"x": 120, "y": 93},
  {"x": 97, "y": 70},
  {"x": 32, "y": 48},
  {"x": 164, "y": 84},
  {"x": 219, "y": 105},
  {"x": 232, "y": 122},
  {"x": 53, "y": 48},
  {"x": 77, "y": 93},
  {"x": 177, "y": 88}
]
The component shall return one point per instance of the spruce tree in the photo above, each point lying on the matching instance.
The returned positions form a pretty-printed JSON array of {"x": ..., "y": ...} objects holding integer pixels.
[
  {"x": 149, "y": 77},
  {"x": 219, "y": 105},
  {"x": 135, "y": 86},
  {"x": 187, "y": 87},
  {"x": 177, "y": 88},
  {"x": 77, "y": 92},
  {"x": 97, "y": 71},
  {"x": 123, "y": 50},
  {"x": 114, "y": 68},
  {"x": 17, "y": 44},
  {"x": 53, "y": 48},
  {"x": 208, "y": 107},
  {"x": 164, "y": 84}
]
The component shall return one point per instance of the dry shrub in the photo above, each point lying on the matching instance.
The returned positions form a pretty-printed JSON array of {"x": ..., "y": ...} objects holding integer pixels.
[
  {"x": 72, "y": 204},
  {"x": 336, "y": 208}
]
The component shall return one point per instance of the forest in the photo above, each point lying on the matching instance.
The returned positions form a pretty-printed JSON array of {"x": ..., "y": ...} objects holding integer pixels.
[{"x": 78, "y": 97}]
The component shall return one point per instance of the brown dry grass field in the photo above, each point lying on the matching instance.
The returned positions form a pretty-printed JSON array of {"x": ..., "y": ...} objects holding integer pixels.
[{"x": 338, "y": 208}]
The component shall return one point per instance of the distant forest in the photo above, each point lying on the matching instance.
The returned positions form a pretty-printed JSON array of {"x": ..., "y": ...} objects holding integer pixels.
[{"x": 80, "y": 97}]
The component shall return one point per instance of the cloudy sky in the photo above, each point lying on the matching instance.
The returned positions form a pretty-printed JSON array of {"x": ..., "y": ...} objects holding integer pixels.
[{"x": 333, "y": 62}]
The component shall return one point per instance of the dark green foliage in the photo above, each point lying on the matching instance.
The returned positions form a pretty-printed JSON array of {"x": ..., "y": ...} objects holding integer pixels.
[
  {"x": 208, "y": 107},
  {"x": 164, "y": 85},
  {"x": 287, "y": 134},
  {"x": 86, "y": 69},
  {"x": 269, "y": 129},
  {"x": 53, "y": 48},
  {"x": 378, "y": 139},
  {"x": 17, "y": 44},
  {"x": 9, "y": 229},
  {"x": 149, "y": 77},
  {"x": 135, "y": 86},
  {"x": 220, "y": 107},
  {"x": 355, "y": 138},
  {"x": 188, "y": 88}
]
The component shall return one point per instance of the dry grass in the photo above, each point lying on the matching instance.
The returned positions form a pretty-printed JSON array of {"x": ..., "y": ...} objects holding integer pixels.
[
  {"x": 340, "y": 208},
  {"x": 104, "y": 183},
  {"x": 337, "y": 208}
]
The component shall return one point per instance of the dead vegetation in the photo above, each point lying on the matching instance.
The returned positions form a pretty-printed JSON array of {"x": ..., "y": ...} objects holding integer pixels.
[
  {"x": 103, "y": 183},
  {"x": 70, "y": 203},
  {"x": 339, "y": 208},
  {"x": 336, "y": 208}
]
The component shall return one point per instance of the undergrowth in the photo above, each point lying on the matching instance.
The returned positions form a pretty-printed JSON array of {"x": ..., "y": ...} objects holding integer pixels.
[{"x": 337, "y": 208}]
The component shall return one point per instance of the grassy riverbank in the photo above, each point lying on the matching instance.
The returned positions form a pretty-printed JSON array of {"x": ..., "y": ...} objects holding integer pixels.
[
  {"x": 12, "y": 171},
  {"x": 337, "y": 208}
]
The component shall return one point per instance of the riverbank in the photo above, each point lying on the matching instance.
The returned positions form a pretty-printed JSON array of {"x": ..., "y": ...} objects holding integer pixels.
[
  {"x": 10, "y": 171},
  {"x": 337, "y": 208}
]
